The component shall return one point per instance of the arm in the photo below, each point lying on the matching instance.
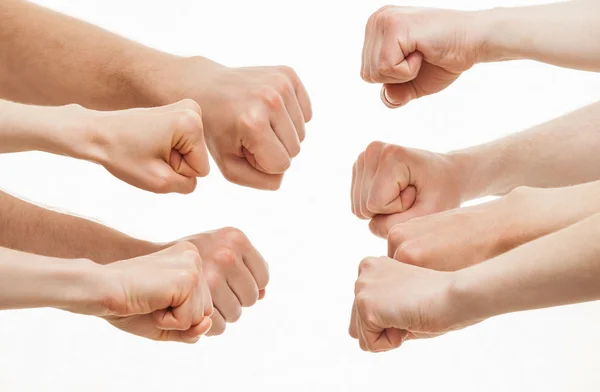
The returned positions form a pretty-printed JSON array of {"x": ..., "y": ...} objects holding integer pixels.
[
  {"x": 558, "y": 269},
  {"x": 396, "y": 301},
  {"x": 47, "y": 59},
  {"x": 32, "y": 281},
  {"x": 566, "y": 34},
  {"x": 557, "y": 153},
  {"x": 440, "y": 241},
  {"x": 393, "y": 184},
  {"x": 228, "y": 255},
  {"x": 416, "y": 52},
  {"x": 159, "y": 149},
  {"x": 29, "y": 228},
  {"x": 254, "y": 117},
  {"x": 172, "y": 301}
]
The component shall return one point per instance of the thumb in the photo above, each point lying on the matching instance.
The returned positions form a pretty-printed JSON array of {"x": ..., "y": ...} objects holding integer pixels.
[
  {"x": 398, "y": 95},
  {"x": 189, "y": 154},
  {"x": 381, "y": 225},
  {"x": 167, "y": 180}
]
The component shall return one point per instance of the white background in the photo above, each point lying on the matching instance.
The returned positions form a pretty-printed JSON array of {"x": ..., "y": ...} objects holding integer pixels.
[{"x": 296, "y": 339}]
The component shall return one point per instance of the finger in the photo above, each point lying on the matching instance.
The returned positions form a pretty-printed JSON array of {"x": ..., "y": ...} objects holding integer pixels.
[
  {"x": 207, "y": 302},
  {"x": 244, "y": 286},
  {"x": 257, "y": 266},
  {"x": 189, "y": 141},
  {"x": 385, "y": 193},
  {"x": 371, "y": 159},
  {"x": 225, "y": 300},
  {"x": 270, "y": 155},
  {"x": 295, "y": 112},
  {"x": 398, "y": 95},
  {"x": 370, "y": 33},
  {"x": 361, "y": 337},
  {"x": 193, "y": 334},
  {"x": 166, "y": 180},
  {"x": 352, "y": 185},
  {"x": 352, "y": 329},
  {"x": 218, "y": 324},
  {"x": 360, "y": 167},
  {"x": 261, "y": 294},
  {"x": 303, "y": 101},
  {"x": 239, "y": 171},
  {"x": 399, "y": 63},
  {"x": 376, "y": 42},
  {"x": 283, "y": 126},
  {"x": 381, "y": 225}
]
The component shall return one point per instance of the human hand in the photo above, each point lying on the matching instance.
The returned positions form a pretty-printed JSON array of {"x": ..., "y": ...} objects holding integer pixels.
[
  {"x": 395, "y": 302},
  {"x": 162, "y": 296},
  {"x": 235, "y": 272},
  {"x": 254, "y": 118},
  {"x": 418, "y": 51},
  {"x": 392, "y": 184},
  {"x": 160, "y": 149},
  {"x": 456, "y": 239}
]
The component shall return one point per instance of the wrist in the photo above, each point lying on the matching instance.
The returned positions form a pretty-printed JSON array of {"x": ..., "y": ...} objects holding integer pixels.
[
  {"x": 168, "y": 79},
  {"x": 81, "y": 287},
  {"x": 498, "y": 43}
]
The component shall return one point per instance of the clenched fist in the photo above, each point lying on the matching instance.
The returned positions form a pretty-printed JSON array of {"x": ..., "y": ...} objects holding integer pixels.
[
  {"x": 254, "y": 117},
  {"x": 160, "y": 149},
  {"x": 395, "y": 302},
  {"x": 162, "y": 296},
  {"x": 235, "y": 272},
  {"x": 417, "y": 51},
  {"x": 392, "y": 184}
]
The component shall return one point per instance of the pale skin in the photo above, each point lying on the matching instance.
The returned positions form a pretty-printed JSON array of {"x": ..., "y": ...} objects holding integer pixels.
[
  {"x": 417, "y": 52},
  {"x": 254, "y": 118},
  {"x": 162, "y": 296},
  {"x": 252, "y": 122},
  {"x": 395, "y": 301},
  {"x": 234, "y": 271},
  {"x": 392, "y": 184}
]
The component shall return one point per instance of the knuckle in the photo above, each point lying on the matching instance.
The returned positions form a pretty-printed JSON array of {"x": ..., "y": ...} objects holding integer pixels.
[
  {"x": 272, "y": 98},
  {"x": 234, "y": 236},
  {"x": 162, "y": 182},
  {"x": 362, "y": 303},
  {"x": 190, "y": 121},
  {"x": 366, "y": 264},
  {"x": 397, "y": 235},
  {"x": 213, "y": 280},
  {"x": 410, "y": 253},
  {"x": 283, "y": 84},
  {"x": 374, "y": 148},
  {"x": 189, "y": 277},
  {"x": 287, "y": 71},
  {"x": 225, "y": 257},
  {"x": 253, "y": 121},
  {"x": 190, "y": 104},
  {"x": 391, "y": 152}
]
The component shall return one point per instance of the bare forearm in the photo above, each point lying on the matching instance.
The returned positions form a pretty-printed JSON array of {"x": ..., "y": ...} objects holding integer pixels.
[
  {"x": 32, "y": 281},
  {"x": 52, "y": 59},
  {"x": 558, "y": 269},
  {"x": 565, "y": 34},
  {"x": 557, "y": 153},
  {"x": 29, "y": 228}
]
